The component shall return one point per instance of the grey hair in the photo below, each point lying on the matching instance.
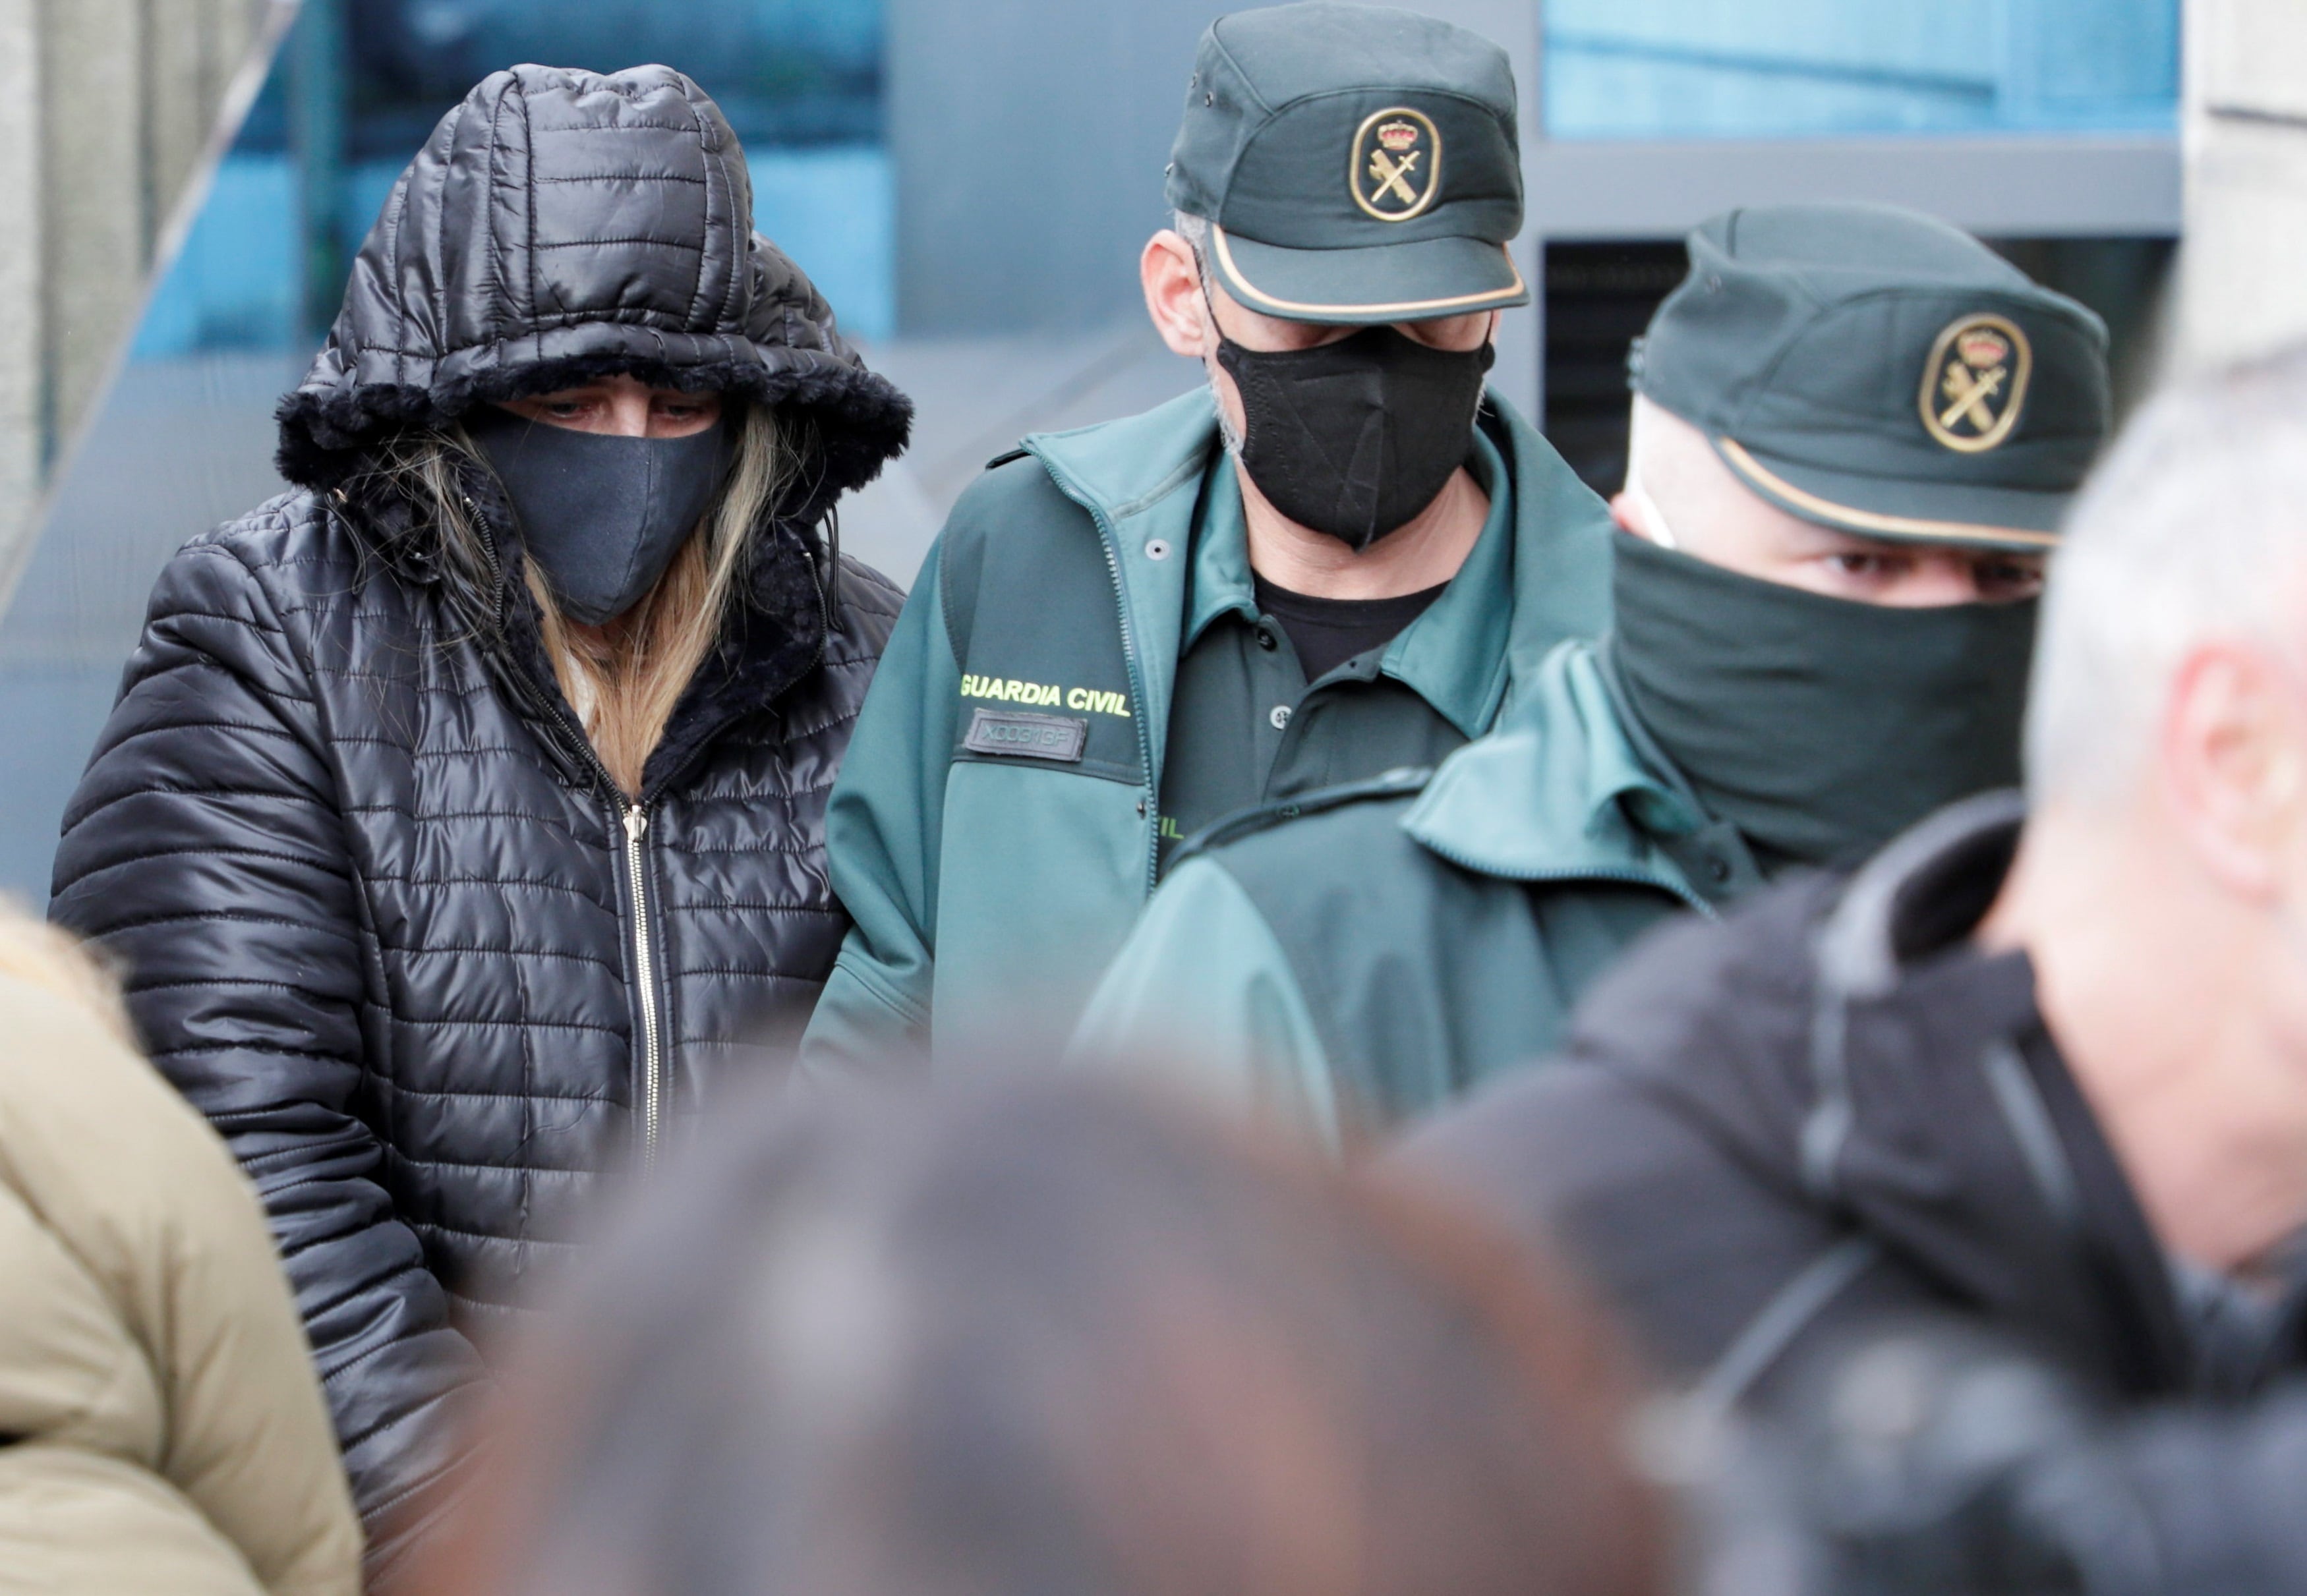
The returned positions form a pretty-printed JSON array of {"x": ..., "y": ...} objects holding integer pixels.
[
  {"x": 2194, "y": 527},
  {"x": 1196, "y": 231}
]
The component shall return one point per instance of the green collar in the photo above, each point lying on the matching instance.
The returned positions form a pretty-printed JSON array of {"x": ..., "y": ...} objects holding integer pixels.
[
  {"x": 1140, "y": 477},
  {"x": 1559, "y": 792},
  {"x": 1136, "y": 479},
  {"x": 1448, "y": 656},
  {"x": 1126, "y": 468},
  {"x": 1220, "y": 581},
  {"x": 1453, "y": 656}
]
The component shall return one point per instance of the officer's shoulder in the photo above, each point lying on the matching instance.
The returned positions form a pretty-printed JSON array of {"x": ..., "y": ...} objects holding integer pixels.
[
  {"x": 1313, "y": 821},
  {"x": 1012, "y": 495},
  {"x": 1011, "y": 479}
]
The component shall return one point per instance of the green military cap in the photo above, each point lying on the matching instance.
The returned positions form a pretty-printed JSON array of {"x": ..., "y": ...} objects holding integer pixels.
[
  {"x": 1356, "y": 163},
  {"x": 1881, "y": 372}
]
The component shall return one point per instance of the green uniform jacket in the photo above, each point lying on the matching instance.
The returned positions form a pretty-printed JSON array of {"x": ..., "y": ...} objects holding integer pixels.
[
  {"x": 1398, "y": 941},
  {"x": 993, "y": 829}
]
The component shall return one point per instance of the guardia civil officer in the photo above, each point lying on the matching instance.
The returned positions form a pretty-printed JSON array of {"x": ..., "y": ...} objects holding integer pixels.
[
  {"x": 2038, "y": 1068},
  {"x": 1345, "y": 562},
  {"x": 1855, "y": 431}
]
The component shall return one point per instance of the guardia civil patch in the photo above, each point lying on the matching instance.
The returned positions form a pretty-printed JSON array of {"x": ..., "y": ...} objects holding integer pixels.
[
  {"x": 1023, "y": 735},
  {"x": 1975, "y": 382},
  {"x": 1396, "y": 166}
]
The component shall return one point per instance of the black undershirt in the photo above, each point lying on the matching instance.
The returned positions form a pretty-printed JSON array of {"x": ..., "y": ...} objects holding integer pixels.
[{"x": 1328, "y": 632}]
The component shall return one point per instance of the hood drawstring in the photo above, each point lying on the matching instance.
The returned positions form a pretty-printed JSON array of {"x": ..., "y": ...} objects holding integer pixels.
[{"x": 827, "y": 566}]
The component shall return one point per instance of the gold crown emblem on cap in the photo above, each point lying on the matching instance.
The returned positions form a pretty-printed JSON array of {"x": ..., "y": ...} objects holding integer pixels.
[
  {"x": 1394, "y": 169},
  {"x": 1975, "y": 382},
  {"x": 1981, "y": 347}
]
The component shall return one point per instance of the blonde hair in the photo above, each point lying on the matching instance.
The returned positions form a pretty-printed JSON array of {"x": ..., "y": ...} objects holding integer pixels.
[
  {"x": 41, "y": 955},
  {"x": 623, "y": 679}
]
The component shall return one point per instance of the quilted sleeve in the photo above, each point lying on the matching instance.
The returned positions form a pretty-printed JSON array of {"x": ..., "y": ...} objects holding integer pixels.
[{"x": 204, "y": 851}]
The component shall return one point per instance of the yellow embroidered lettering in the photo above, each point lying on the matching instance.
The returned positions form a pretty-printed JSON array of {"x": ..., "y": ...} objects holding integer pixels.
[{"x": 1045, "y": 694}]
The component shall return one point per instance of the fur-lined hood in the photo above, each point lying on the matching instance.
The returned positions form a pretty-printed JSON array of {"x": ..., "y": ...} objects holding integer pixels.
[{"x": 560, "y": 225}]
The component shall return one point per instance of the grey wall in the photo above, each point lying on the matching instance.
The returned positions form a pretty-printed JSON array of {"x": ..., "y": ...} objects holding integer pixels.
[
  {"x": 110, "y": 113},
  {"x": 2242, "y": 292},
  {"x": 1030, "y": 135}
]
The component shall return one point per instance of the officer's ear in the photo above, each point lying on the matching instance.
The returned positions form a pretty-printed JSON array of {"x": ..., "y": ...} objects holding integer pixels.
[
  {"x": 2233, "y": 766},
  {"x": 1172, "y": 281},
  {"x": 1627, "y": 512}
]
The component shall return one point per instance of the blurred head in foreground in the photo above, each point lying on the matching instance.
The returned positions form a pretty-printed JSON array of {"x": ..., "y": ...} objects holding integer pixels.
[
  {"x": 1054, "y": 1339},
  {"x": 2161, "y": 888}
]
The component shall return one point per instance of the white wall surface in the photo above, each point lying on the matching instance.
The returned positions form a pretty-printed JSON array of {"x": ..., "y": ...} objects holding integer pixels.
[{"x": 2244, "y": 265}]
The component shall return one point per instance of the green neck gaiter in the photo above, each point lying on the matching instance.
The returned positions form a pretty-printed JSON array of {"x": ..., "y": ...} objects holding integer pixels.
[{"x": 1821, "y": 728}]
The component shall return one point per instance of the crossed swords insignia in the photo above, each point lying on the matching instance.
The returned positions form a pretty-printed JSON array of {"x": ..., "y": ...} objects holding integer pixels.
[
  {"x": 1393, "y": 176},
  {"x": 1970, "y": 392}
]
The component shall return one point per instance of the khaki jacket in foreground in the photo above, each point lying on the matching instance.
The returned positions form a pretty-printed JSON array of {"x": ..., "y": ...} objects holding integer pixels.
[{"x": 161, "y": 1426}]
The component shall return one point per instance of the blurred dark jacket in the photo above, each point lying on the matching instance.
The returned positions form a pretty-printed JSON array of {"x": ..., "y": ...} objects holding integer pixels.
[
  {"x": 385, "y": 918},
  {"x": 1832, "y": 1107}
]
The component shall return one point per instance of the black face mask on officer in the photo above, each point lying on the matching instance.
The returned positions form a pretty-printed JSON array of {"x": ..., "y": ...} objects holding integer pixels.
[
  {"x": 1820, "y": 727},
  {"x": 602, "y": 515},
  {"x": 1353, "y": 438}
]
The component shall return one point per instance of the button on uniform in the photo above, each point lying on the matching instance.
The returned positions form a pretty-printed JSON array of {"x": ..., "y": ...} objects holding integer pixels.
[{"x": 1280, "y": 717}]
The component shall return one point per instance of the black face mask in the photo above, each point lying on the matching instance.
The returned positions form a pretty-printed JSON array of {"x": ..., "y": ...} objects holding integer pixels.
[
  {"x": 602, "y": 517},
  {"x": 1821, "y": 728},
  {"x": 1353, "y": 438}
]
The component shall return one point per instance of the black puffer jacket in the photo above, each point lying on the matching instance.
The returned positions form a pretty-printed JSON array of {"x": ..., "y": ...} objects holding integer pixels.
[{"x": 385, "y": 919}]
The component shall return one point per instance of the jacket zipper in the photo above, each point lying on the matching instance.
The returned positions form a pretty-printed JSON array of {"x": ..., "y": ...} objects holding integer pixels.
[
  {"x": 652, "y": 1054},
  {"x": 635, "y": 815},
  {"x": 1110, "y": 541},
  {"x": 650, "y": 1092}
]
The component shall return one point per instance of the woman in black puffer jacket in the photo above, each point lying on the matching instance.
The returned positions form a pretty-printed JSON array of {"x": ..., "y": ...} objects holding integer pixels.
[{"x": 439, "y": 900}]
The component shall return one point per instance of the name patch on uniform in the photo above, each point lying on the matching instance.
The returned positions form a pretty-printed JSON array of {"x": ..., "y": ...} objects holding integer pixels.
[{"x": 1020, "y": 735}]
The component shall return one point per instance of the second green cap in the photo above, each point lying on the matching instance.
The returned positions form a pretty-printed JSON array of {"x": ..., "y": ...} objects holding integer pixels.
[{"x": 1882, "y": 373}]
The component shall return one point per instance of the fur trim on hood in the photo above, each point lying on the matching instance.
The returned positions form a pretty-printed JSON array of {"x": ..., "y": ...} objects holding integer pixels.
[{"x": 560, "y": 226}]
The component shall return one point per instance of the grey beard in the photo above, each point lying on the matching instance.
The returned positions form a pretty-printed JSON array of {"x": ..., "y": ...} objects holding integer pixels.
[{"x": 1225, "y": 423}]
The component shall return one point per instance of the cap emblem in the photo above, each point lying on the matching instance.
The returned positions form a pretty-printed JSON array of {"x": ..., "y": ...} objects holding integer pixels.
[
  {"x": 1975, "y": 382},
  {"x": 1396, "y": 164}
]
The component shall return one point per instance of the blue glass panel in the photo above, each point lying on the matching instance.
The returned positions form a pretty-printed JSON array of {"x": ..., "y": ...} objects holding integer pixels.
[
  {"x": 800, "y": 80},
  {"x": 1773, "y": 68},
  {"x": 184, "y": 438},
  {"x": 234, "y": 283}
]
